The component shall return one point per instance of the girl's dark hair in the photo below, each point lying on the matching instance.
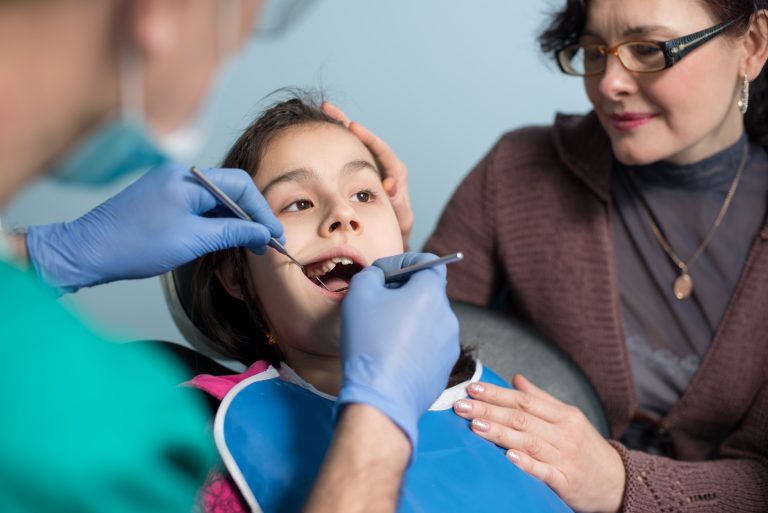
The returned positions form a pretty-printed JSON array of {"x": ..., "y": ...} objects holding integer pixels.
[
  {"x": 236, "y": 328},
  {"x": 567, "y": 25}
]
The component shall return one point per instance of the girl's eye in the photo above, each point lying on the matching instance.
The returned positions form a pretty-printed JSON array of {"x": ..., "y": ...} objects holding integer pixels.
[
  {"x": 363, "y": 197},
  {"x": 299, "y": 205}
]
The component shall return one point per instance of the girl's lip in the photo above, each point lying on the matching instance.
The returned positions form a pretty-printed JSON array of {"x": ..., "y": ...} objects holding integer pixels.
[
  {"x": 338, "y": 296},
  {"x": 338, "y": 252},
  {"x": 630, "y": 120}
]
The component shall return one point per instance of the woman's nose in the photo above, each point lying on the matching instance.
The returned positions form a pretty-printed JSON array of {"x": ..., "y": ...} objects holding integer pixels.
[
  {"x": 342, "y": 217},
  {"x": 616, "y": 82}
]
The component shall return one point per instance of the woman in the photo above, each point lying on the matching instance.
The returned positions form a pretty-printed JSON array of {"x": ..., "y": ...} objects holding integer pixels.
[{"x": 633, "y": 237}]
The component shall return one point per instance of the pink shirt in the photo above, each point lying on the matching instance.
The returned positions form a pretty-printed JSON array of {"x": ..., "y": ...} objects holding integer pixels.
[{"x": 219, "y": 493}]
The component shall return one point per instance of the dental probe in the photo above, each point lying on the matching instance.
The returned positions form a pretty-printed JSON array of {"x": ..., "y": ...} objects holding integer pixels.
[
  {"x": 405, "y": 272},
  {"x": 239, "y": 212}
]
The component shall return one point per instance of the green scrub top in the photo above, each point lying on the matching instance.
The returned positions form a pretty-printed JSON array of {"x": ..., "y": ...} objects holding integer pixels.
[{"x": 87, "y": 425}]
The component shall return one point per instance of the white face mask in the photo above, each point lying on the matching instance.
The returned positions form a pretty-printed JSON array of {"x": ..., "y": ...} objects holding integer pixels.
[{"x": 127, "y": 144}]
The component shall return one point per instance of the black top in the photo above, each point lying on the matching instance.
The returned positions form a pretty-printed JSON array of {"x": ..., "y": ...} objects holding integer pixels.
[{"x": 666, "y": 337}]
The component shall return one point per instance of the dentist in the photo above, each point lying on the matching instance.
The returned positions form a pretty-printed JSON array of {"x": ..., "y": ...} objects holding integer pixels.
[{"x": 91, "y": 90}]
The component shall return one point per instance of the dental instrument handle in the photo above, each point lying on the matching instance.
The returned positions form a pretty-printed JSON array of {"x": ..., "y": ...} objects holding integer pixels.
[
  {"x": 236, "y": 209},
  {"x": 275, "y": 244},
  {"x": 405, "y": 272},
  {"x": 220, "y": 195}
]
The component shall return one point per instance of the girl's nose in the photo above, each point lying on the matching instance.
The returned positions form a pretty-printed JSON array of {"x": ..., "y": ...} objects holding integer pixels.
[{"x": 342, "y": 217}]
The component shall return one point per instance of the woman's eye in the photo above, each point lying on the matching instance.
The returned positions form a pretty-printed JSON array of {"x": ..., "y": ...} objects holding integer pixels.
[
  {"x": 299, "y": 205},
  {"x": 363, "y": 197},
  {"x": 646, "y": 50},
  {"x": 593, "y": 54}
]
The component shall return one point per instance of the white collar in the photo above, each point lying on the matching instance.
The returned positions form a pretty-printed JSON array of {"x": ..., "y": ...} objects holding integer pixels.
[
  {"x": 444, "y": 402},
  {"x": 288, "y": 374}
]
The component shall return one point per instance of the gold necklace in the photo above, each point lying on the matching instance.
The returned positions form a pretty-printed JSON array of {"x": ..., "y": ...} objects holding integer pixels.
[{"x": 683, "y": 284}]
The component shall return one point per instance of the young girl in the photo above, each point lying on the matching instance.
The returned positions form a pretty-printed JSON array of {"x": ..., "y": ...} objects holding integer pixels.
[{"x": 275, "y": 420}]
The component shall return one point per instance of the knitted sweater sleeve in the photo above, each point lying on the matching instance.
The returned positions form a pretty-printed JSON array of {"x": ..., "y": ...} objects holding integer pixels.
[
  {"x": 735, "y": 480},
  {"x": 468, "y": 225}
]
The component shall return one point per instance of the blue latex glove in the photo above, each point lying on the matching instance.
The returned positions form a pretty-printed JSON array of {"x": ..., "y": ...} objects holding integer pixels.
[
  {"x": 399, "y": 343},
  {"x": 154, "y": 225}
]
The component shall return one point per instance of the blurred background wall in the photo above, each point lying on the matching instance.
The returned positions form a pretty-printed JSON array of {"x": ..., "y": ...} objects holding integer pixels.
[{"x": 440, "y": 80}]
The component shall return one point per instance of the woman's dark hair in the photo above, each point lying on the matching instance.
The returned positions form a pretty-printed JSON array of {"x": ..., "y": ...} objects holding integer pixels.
[
  {"x": 567, "y": 25},
  {"x": 235, "y": 327}
]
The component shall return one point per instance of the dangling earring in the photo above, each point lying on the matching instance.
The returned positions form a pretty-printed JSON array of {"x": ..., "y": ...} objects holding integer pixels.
[
  {"x": 744, "y": 100},
  {"x": 271, "y": 339}
]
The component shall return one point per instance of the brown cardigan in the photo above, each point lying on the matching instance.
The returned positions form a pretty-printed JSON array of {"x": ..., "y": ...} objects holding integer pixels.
[{"x": 535, "y": 214}]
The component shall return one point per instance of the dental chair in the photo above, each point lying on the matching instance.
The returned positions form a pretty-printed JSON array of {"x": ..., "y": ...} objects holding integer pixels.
[
  {"x": 506, "y": 345},
  {"x": 509, "y": 347}
]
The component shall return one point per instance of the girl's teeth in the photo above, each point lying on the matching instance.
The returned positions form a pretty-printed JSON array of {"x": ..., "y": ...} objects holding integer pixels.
[
  {"x": 323, "y": 269},
  {"x": 328, "y": 266}
]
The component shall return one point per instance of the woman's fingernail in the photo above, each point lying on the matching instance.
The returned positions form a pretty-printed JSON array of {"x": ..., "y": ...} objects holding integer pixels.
[
  {"x": 392, "y": 190},
  {"x": 476, "y": 388},
  {"x": 462, "y": 406},
  {"x": 512, "y": 455},
  {"x": 481, "y": 425}
]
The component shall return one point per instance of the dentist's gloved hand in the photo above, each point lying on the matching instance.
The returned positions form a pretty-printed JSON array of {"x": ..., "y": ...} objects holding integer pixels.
[
  {"x": 154, "y": 225},
  {"x": 398, "y": 342}
]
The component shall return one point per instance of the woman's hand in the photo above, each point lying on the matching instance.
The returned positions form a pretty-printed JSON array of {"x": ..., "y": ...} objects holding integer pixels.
[
  {"x": 395, "y": 174},
  {"x": 550, "y": 440}
]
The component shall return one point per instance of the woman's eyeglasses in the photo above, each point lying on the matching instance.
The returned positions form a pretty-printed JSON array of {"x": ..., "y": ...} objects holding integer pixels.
[{"x": 586, "y": 60}]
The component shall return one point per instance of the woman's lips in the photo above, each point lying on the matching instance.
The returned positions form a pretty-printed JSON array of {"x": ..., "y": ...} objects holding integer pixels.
[{"x": 630, "y": 120}]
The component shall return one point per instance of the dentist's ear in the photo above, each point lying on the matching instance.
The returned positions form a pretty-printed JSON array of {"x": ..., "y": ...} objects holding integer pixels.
[
  {"x": 154, "y": 25},
  {"x": 173, "y": 54}
]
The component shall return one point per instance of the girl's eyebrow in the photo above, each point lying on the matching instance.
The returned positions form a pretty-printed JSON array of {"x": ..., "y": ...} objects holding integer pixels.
[
  {"x": 304, "y": 174},
  {"x": 296, "y": 175},
  {"x": 358, "y": 165}
]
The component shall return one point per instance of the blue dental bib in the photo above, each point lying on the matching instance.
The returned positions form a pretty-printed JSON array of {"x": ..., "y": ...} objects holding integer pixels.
[{"x": 273, "y": 434}]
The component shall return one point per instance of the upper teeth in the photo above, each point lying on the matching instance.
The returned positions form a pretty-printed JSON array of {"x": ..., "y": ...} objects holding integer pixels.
[{"x": 322, "y": 268}]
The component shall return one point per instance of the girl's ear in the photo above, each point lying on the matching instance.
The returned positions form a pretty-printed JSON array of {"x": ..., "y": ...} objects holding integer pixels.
[{"x": 226, "y": 275}]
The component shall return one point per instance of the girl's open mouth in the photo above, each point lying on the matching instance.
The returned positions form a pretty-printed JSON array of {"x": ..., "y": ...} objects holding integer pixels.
[{"x": 333, "y": 271}]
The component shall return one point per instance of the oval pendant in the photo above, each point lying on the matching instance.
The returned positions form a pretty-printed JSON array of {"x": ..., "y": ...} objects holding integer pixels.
[{"x": 683, "y": 286}]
